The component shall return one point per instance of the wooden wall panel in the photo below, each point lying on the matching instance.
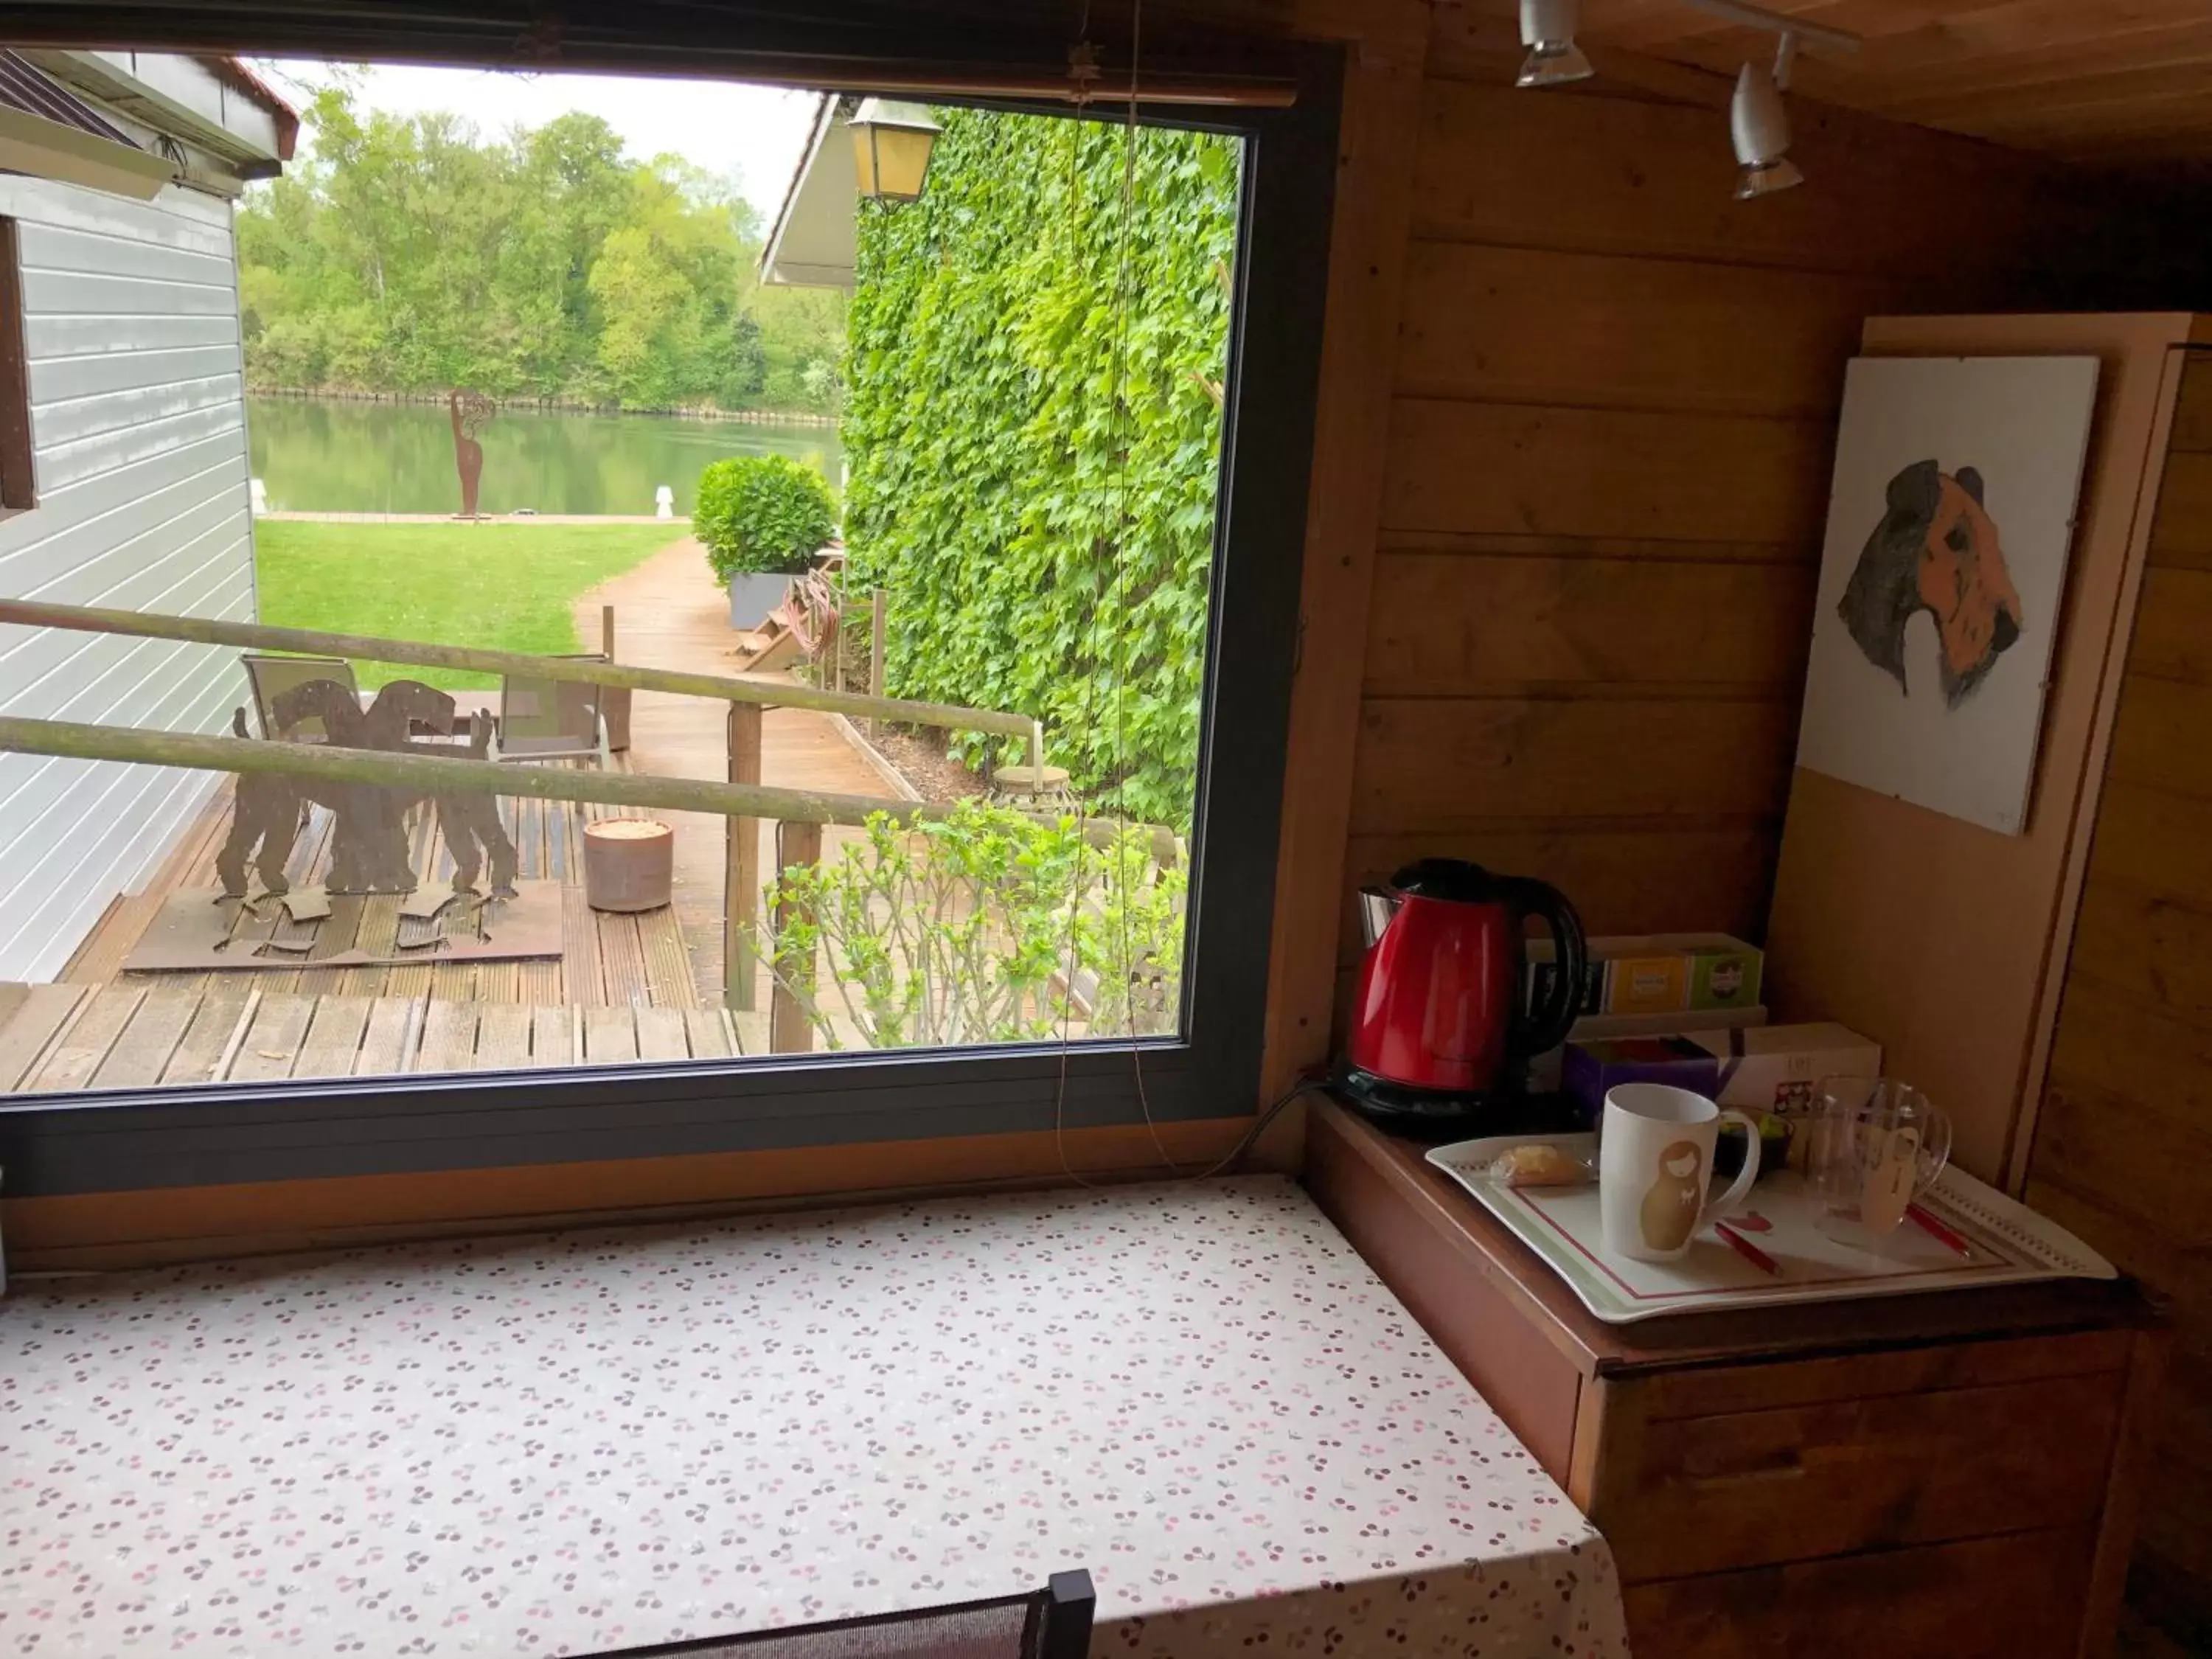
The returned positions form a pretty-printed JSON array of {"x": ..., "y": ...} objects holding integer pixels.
[
  {"x": 1517, "y": 325},
  {"x": 1616, "y": 389},
  {"x": 2174, "y": 629},
  {"x": 2182, "y": 538},
  {"x": 2122, "y": 1151},
  {"x": 2149, "y": 836},
  {"x": 2164, "y": 738},
  {"x": 1508, "y": 468},
  {"x": 1440, "y": 622},
  {"x": 1442, "y": 763},
  {"x": 1606, "y": 174}
]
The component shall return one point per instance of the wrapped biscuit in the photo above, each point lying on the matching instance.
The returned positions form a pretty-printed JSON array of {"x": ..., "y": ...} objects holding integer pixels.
[{"x": 1538, "y": 1165}]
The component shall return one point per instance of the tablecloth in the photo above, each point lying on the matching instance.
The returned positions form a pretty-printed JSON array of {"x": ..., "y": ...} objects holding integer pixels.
[{"x": 573, "y": 1441}]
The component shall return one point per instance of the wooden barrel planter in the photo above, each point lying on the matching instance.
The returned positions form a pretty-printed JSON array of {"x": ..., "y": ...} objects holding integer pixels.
[{"x": 629, "y": 864}]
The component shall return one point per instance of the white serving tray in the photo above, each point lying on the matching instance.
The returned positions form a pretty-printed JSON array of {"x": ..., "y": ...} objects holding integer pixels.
[{"x": 2008, "y": 1242}]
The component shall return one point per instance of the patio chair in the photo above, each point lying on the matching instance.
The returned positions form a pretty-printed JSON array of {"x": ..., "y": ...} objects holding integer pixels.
[
  {"x": 270, "y": 677},
  {"x": 615, "y": 703},
  {"x": 1053, "y": 1623},
  {"x": 543, "y": 719}
]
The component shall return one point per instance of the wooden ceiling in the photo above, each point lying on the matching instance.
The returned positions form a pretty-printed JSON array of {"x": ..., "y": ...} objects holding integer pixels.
[{"x": 2122, "y": 83}]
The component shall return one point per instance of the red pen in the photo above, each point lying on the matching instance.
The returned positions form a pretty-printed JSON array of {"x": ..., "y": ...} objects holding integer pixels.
[
  {"x": 1938, "y": 1232},
  {"x": 1749, "y": 1251}
]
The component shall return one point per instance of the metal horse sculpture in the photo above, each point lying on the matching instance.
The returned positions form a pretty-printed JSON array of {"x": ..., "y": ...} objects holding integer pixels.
[
  {"x": 368, "y": 844},
  {"x": 472, "y": 411}
]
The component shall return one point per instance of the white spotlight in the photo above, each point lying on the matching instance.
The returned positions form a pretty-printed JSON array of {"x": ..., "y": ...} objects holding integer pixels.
[
  {"x": 1760, "y": 126},
  {"x": 1547, "y": 29}
]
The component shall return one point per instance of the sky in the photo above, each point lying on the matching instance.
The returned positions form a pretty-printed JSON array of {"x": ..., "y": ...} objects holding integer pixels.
[{"x": 751, "y": 134}]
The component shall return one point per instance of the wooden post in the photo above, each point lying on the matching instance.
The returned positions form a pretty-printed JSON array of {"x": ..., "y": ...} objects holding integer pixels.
[
  {"x": 876, "y": 653},
  {"x": 741, "y": 864},
  {"x": 789, "y": 1031},
  {"x": 615, "y": 700}
]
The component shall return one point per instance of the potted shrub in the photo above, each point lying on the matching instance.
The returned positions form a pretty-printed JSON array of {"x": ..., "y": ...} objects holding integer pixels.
[{"x": 763, "y": 518}]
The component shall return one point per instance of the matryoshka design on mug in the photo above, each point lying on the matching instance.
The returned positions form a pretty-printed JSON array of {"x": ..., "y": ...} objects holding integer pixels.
[{"x": 1671, "y": 1206}]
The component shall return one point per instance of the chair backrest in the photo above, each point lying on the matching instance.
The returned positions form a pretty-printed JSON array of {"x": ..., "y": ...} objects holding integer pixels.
[
  {"x": 538, "y": 715},
  {"x": 1053, "y": 1623},
  {"x": 270, "y": 677}
]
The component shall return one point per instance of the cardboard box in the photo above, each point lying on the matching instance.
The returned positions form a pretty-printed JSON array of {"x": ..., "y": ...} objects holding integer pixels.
[
  {"x": 1658, "y": 973},
  {"x": 1547, "y": 1072},
  {"x": 1757, "y": 1069},
  {"x": 1773, "y": 1068},
  {"x": 1595, "y": 1067}
]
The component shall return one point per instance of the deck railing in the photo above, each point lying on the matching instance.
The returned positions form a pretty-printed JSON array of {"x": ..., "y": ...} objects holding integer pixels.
[
  {"x": 756, "y": 691},
  {"x": 741, "y": 801}
]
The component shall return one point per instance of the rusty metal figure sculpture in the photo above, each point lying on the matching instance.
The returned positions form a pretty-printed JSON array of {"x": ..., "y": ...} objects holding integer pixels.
[
  {"x": 472, "y": 411},
  {"x": 368, "y": 841}
]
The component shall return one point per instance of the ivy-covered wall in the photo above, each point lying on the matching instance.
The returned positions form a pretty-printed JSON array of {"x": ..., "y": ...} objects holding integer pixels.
[{"x": 1028, "y": 569}]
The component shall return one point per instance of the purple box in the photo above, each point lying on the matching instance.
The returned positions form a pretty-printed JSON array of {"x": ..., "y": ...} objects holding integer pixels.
[{"x": 1593, "y": 1067}]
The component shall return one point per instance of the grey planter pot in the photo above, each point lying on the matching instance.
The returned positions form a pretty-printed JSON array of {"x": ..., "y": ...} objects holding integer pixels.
[{"x": 752, "y": 597}]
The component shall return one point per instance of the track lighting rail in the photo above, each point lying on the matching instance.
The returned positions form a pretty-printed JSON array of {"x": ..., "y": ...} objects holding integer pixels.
[{"x": 1759, "y": 17}]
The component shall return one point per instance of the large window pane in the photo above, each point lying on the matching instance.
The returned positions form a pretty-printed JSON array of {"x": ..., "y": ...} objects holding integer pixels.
[{"x": 515, "y": 383}]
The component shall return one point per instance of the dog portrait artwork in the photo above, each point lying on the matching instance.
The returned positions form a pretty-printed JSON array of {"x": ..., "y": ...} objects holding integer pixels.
[
  {"x": 1934, "y": 550},
  {"x": 1942, "y": 578}
]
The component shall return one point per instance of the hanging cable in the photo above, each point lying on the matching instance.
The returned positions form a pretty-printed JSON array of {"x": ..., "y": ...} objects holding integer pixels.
[
  {"x": 1114, "y": 583},
  {"x": 1113, "y": 580}
]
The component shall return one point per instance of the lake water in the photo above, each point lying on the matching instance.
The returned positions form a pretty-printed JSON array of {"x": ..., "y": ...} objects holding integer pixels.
[{"x": 399, "y": 457}]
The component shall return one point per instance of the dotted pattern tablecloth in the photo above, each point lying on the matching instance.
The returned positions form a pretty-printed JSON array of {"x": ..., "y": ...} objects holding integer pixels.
[{"x": 570, "y": 1443}]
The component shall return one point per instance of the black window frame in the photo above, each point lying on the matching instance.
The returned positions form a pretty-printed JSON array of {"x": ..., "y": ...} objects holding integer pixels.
[{"x": 204, "y": 1135}]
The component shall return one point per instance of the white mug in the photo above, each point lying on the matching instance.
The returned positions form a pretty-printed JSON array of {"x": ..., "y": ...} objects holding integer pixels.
[{"x": 1655, "y": 1157}]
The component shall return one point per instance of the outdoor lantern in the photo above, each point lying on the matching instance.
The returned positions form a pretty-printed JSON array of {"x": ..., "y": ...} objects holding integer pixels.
[{"x": 891, "y": 144}]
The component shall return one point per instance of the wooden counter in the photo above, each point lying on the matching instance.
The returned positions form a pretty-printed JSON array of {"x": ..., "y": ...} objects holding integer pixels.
[{"x": 1948, "y": 1474}]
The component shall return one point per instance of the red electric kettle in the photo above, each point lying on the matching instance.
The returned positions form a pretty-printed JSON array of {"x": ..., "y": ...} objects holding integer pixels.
[{"x": 1441, "y": 1024}]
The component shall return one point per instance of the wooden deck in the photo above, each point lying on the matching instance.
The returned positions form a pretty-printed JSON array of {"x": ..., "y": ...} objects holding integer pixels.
[
  {"x": 622, "y": 988},
  {"x": 130, "y": 1036},
  {"x": 625, "y": 988}
]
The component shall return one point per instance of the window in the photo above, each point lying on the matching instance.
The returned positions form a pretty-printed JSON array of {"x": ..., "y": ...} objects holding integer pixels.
[{"x": 1144, "y": 915}]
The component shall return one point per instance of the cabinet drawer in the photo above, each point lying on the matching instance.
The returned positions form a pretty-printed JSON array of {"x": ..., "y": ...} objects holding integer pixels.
[
  {"x": 2015, "y": 1597},
  {"x": 1708, "y": 1494},
  {"x": 1718, "y": 1390}
]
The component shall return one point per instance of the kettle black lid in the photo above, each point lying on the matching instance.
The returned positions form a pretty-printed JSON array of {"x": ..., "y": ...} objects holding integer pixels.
[{"x": 1455, "y": 880}]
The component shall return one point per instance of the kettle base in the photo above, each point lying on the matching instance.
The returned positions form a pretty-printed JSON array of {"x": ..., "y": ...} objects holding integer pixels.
[{"x": 1431, "y": 1114}]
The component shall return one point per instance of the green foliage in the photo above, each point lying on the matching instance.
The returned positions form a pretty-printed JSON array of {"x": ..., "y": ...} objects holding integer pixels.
[
  {"x": 761, "y": 514},
  {"x": 507, "y": 586},
  {"x": 414, "y": 254},
  {"x": 1031, "y": 563},
  {"x": 961, "y": 930}
]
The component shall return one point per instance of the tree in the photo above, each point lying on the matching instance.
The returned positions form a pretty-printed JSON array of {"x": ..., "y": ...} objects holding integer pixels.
[
  {"x": 413, "y": 254},
  {"x": 748, "y": 360}
]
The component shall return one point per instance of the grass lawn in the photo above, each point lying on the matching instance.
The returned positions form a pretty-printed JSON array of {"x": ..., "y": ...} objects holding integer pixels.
[{"x": 500, "y": 586}]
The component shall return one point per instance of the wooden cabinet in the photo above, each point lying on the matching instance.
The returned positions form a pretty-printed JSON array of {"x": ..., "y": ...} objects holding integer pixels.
[{"x": 1947, "y": 1475}]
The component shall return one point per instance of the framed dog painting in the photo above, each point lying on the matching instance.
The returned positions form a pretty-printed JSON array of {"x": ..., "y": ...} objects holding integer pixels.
[{"x": 1942, "y": 576}]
